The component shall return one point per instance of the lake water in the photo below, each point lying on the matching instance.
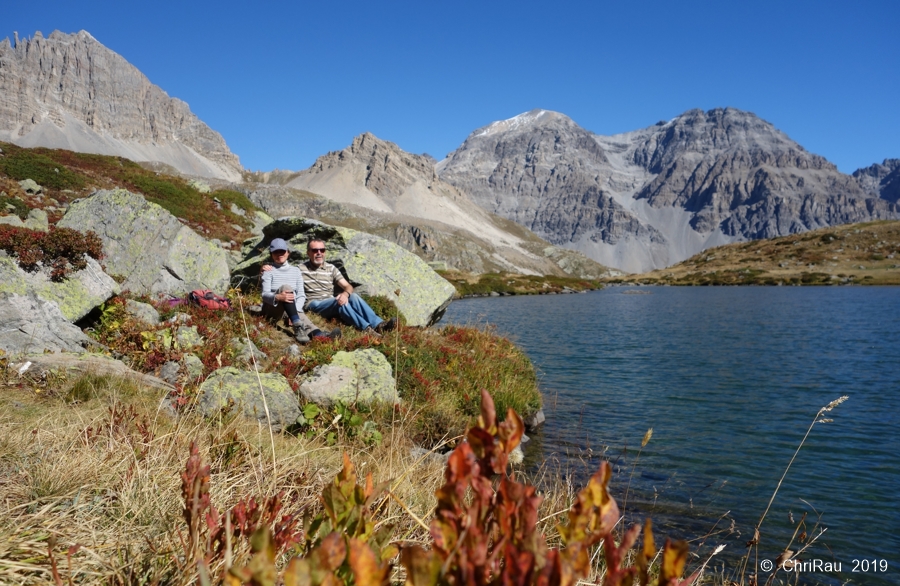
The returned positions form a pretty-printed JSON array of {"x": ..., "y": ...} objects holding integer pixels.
[{"x": 729, "y": 379}]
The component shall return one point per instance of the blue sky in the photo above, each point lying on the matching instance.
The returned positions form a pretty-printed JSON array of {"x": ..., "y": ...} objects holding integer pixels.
[{"x": 285, "y": 82}]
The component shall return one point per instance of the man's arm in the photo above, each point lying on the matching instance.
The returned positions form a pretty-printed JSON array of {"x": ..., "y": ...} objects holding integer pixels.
[{"x": 344, "y": 296}]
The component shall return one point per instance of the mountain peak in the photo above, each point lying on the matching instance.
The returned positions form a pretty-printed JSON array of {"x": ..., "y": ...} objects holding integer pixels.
[
  {"x": 524, "y": 121},
  {"x": 70, "y": 91}
]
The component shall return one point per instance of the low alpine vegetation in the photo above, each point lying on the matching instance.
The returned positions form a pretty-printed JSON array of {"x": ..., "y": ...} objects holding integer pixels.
[{"x": 63, "y": 249}]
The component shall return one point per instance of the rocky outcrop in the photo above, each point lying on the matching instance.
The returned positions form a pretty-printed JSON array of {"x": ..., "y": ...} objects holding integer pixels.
[
  {"x": 362, "y": 376},
  {"x": 881, "y": 180},
  {"x": 69, "y": 91},
  {"x": 75, "y": 296},
  {"x": 376, "y": 187},
  {"x": 373, "y": 265},
  {"x": 649, "y": 198},
  {"x": 148, "y": 246},
  {"x": 243, "y": 391},
  {"x": 29, "y": 324},
  {"x": 74, "y": 365}
]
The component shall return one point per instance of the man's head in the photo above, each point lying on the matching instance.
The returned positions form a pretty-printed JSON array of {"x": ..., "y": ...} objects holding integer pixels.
[
  {"x": 279, "y": 250},
  {"x": 315, "y": 250}
]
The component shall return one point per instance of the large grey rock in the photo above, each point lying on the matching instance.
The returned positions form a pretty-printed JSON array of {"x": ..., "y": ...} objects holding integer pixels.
[
  {"x": 653, "y": 197},
  {"x": 29, "y": 324},
  {"x": 69, "y": 91},
  {"x": 148, "y": 245},
  {"x": 358, "y": 376},
  {"x": 243, "y": 387},
  {"x": 373, "y": 265},
  {"x": 75, "y": 296}
]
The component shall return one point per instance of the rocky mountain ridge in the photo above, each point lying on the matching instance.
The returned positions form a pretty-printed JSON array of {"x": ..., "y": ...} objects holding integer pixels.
[
  {"x": 69, "y": 91},
  {"x": 649, "y": 198},
  {"x": 881, "y": 180},
  {"x": 375, "y": 186}
]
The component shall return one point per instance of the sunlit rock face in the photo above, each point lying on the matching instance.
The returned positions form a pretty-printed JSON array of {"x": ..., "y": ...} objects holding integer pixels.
[
  {"x": 69, "y": 91},
  {"x": 650, "y": 198}
]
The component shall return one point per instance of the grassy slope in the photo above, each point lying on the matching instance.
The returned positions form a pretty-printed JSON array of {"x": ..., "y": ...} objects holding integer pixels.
[
  {"x": 867, "y": 253},
  {"x": 473, "y": 285},
  {"x": 66, "y": 176}
]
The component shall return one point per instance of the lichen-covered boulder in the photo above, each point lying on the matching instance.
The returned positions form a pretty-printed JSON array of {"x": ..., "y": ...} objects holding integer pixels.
[
  {"x": 32, "y": 325},
  {"x": 373, "y": 265},
  {"x": 76, "y": 295},
  {"x": 147, "y": 245},
  {"x": 360, "y": 376},
  {"x": 243, "y": 387},
  {"x": 187, "y": 337}
]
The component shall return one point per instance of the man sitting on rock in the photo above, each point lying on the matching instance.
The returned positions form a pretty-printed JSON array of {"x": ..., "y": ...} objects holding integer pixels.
[
  {"x": 282, "y": 293},
  {"x": 321, "y": 279}
]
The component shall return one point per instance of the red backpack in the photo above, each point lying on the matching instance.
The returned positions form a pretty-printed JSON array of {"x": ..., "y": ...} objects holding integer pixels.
[{"x": 208, "y": 299}]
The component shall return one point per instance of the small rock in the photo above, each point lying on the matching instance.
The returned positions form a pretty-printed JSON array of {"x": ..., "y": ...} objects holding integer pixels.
[
  {"x": 237, "y": 210},
  {"x": 30, "y": 186},
  {"x": 429, "y": 456},
  {"x": 187, "y": 337},
  {"x": 142, "y": 311},
  {"x": 535, "y": 420},
  {"x": 193, "y": 365},
  {"x": 169, "y": 372},
  {"x": 293, "y": 351},
  {"x": 12, "y": 220},
  {"x": 246, "y": 351},
  {"x": 180, "y": 318},
  {"x": 201, "y": 186}
]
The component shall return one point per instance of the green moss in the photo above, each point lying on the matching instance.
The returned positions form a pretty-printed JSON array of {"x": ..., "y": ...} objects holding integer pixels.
[
  {"x": 19, "y": 207},
  {"x": 23, "y": 164}
]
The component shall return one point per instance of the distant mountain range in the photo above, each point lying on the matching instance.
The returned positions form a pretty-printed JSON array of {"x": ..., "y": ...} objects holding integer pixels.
[
  {"x": 653, "y": 197},
  {"x": 636, "y": 201}
]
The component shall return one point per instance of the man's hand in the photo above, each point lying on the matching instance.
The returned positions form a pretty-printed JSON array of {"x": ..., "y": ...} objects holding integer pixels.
[
  {"x": 287, "y": 296},
  {"x": 342, "y": 298}
]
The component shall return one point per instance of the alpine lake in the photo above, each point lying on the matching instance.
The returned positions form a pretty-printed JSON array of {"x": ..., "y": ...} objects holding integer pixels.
[{"x": 729, "y": 379}]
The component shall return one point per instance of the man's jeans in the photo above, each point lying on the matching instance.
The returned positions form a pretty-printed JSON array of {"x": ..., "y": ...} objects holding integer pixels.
[{"x": 355, "y": 312}]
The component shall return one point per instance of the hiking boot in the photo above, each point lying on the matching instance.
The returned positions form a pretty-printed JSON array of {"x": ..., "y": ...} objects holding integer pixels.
[
  {"x": 387, "y": 325},
  {"x": 320, "y": 335},
  {"x": 300, "y": 336},
  {"x": 371, "y": 332}
]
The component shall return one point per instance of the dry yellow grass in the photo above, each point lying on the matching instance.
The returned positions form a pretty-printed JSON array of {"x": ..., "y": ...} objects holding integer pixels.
[{"x": 98, "y": 481}]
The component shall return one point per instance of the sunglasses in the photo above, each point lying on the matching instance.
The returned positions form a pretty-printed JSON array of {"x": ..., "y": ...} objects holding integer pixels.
[{"x": 316, "y": 250}]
